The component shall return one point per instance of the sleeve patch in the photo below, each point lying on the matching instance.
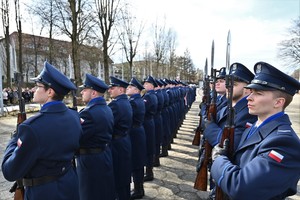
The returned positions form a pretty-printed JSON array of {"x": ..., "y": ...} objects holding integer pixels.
[
  {"x": 19, "y": 142},
  {"x": 276, "y": 156},
  {"x": 81, "y": 121},
  {"x": 248, "y": 124}
]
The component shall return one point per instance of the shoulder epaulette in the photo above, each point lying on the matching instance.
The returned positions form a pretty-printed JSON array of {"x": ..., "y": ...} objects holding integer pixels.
[{"x": 33, "y": 118}]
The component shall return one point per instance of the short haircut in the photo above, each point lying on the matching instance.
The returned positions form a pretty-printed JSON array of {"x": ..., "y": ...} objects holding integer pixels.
[
  {"x": 56, "y": 97},
  {"x": 288, "y": 98}
]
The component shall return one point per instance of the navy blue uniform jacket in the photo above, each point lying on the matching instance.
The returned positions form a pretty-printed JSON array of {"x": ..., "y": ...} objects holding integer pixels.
[
  {"x": 137, "y": 132},
  {"x": 242, "y": 120},
  {"x": 265, "y": 166},
  {"x": 151, "y": 102},
  {"x": 121, "y": 146},
  {"x": 95, "y": 171},
  {"x": 44, "y": 146}
]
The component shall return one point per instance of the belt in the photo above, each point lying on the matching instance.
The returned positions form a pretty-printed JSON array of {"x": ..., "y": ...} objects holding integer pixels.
[
  {"x": 84, "y": 151},
  {"x": 136, "y": 125},
  {"x": 115, "y": 137},
  {"x": 38, "y": 181},
  {"x": 30, "y": 182}
]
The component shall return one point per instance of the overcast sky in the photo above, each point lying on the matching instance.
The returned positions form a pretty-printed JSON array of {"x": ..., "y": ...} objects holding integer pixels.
[{"x": 256, "y": 26}]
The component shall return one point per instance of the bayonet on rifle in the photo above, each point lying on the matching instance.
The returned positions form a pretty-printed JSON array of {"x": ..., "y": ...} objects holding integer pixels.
[
  {"x": 205, "y": 97},
  {"x": 73, "y": 92},
  {"x": 202, "y": 176},
  {"x": 228, "y": 131},
  {"x": 18, "y": 187}
]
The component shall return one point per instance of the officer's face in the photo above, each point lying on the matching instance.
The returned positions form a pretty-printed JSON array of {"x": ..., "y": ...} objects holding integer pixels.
[
  {"x": 115, "y": 91},
  {"x": 220, "y": 86},
  {"x": 238, "y": 90},
  {"x": 86, "y": 94},
  {"x": 148, "y": 86},
  {"x": 41, "y": 95},
  {"x": 130, "y": 90},
  {"x": 262, "y": 103}
]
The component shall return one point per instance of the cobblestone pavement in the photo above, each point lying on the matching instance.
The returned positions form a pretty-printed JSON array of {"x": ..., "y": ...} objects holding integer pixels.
[{"x": 174, "y": 179}]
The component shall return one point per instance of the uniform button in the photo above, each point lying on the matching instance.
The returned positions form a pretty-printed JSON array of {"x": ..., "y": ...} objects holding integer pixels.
[{"x": 63, "y": 169}]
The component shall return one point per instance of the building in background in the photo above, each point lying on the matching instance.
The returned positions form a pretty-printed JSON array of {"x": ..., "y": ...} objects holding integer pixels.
[{"x": 36, "y": 49}]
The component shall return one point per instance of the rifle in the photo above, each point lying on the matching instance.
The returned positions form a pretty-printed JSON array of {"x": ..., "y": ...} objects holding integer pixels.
[
  {"x": 18, "y": 187},
  {"x": 73, "y": 92},
  {"x": 205, "y": 100},
  {"x": 74, "y": 97},
  {"x": 228, "y": 131},
  {"x": 202, "y": 175}
]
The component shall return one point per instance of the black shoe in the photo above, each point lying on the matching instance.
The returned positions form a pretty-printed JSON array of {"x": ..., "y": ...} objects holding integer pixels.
[
  {"x": 156, "y": 162},
  {"x": 149, "y": 174},
  {"x": 148, "y": 178},
  {"x": 164, "y": 152},
  {"x": 138, "y": 191}
]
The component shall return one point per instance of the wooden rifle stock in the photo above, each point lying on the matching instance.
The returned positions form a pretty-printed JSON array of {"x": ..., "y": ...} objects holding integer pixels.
[
  {"x": 18, "y": 187},
  {"x": 228, "y": 133},
  {"x": 198, "y": 132},
  {"x": 202, "y": 176}
]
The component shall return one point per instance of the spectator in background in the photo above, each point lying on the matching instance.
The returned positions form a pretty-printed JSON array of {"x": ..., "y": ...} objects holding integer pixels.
[{"x": 5, "y": 96}]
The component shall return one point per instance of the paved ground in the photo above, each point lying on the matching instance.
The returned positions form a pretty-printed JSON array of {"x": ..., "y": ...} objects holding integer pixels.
[{"x": 174, "y": 179}]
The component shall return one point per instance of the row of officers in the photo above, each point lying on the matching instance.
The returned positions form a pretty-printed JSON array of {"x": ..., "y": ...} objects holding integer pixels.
[
  {"x": 112, "y": 143},
  {"x": 265, "y": 163}
]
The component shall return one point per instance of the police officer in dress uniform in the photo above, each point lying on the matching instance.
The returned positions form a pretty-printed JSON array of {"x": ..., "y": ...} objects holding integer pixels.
[
  {"x": 137, "y": 137},
  {"x": 121, "y": 144},
  {"x": 221, "y": 89},
  {"x": 41, "y": 151},
  {"x": 158, "y": 121},
  {"x": 150, "y": 100},
  {"x": 266, "y": 164},
  {"x": 166, "y": 121},
  {"x": 242, "y": 120},
  {"x": 221, "y": 100},
  {"x": 94, "y": 158}
]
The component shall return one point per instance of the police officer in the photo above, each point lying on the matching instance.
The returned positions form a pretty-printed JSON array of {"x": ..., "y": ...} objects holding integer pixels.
[
  {"x": 121, "y": 145},
  {"x": 221, "y": 89},
  {"x": 166, "y": 121},
  {"x": 41, "y": 151},
  {"x": 266, "y": 162},
  {"x": 137, "y": 137},
  {"x": 150, "y": 100},
  {"x": 158, "y": 122},
  {"x": 242, "y": 119},
  {"x": 94, "y": 158}
]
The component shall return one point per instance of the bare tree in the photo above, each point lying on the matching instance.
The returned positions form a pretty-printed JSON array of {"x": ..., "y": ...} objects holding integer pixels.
[
  {"x": 5, "y": 21},
  {"x": 171, "y": 46},
  {"x": 48, "y": 16},
  {"x": 76, "y": 23},
  {"x": 129, "y": 35},
  {"x": 160, "y": 45},
  {"x": 36, "y": 42},
  {"x": 147, "y": 66},
  {"x": 107, "y": 11},
  {"x": 289, "y": 50}
]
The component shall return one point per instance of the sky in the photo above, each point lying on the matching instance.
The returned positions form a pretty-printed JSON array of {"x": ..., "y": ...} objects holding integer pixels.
[{"x": 256, "y": 27}]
